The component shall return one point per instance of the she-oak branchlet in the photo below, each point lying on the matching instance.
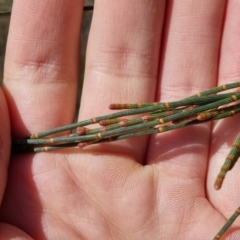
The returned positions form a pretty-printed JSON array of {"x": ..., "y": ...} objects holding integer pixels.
[{"x": 157, "y": 117}]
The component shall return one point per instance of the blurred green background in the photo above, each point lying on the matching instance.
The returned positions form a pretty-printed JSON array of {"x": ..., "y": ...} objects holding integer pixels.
[{"x": 6, "y": 5}]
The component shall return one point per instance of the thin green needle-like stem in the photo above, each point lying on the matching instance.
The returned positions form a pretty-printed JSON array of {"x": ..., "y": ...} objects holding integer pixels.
[
  {"x": 128, "y": 122},
  {"x": 194, "y": 100},
  {"x": 227, "y": 224},
  {"x": 137, "y": 127},
  {"x": 162, "y": 129},
  {"x": 217, "y": 89},
  {"x": 92, "y": 139},
  {"x": 229, "y": 163},
  {"x": 203, "y": 108},
  {"x": 158, "y": 107},
  {"x": 94, "y": 120},
  {"x": 52, "y": 148}
]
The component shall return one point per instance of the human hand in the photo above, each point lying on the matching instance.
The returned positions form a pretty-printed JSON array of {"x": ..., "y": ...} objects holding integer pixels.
[{"x": 143, "y": 188}]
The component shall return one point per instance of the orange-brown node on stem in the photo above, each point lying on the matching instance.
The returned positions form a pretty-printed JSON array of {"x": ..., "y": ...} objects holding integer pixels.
[
  {"x": 237, "y": 211},
  {"x": 161, "y": 121},
  {"x": 98, "y": 136},
  {"x": 231, "y": 160},
  {"x": 217, "y": 237},
  {"x": 124, "y": 123},
  {"x": 94, "y": 120},
  {"x": 220, "y": 177},
  {"x": 33, "y": 136},
  {"x": 109, "y": 121},
  {"x": 166, "y": 105},
  {"x": 161, "y": 129},
  {"x": 237, "y": 145},
  {"x": 234, "y": 98},
  {"x": 224, "y": 87},
  {"x": 206, "y": 115},
  {"x": 233, "y": 112},
  {"x": 116, "y": 106},
  {"x": 44, "y": 149},
  {"x": 81, "y": 131},
  {"x": 145, "y": 118}
]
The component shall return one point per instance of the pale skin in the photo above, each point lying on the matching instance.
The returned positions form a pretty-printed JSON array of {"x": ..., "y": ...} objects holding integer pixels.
[{"x": 139, "y": 51}]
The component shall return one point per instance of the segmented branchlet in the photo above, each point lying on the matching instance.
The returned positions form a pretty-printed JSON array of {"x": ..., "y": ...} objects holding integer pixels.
[{"x": 209, "y": 105}]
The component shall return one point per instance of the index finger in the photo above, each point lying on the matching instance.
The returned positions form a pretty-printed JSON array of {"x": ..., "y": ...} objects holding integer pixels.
[{"x": 41, "y": 66}]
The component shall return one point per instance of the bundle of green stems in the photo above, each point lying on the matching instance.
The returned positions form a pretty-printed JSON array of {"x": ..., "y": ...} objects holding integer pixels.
[{"x": 212, "y": 104}]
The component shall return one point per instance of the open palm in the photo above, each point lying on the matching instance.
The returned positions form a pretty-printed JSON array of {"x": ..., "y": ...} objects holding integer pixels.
[{"x": 159, "y": 187}]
